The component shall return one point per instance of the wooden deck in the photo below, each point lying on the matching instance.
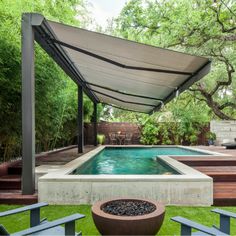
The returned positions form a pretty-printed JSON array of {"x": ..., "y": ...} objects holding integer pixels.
[
  {"x": 10, "y": 184},
  {"x": 221, "y": 168}
]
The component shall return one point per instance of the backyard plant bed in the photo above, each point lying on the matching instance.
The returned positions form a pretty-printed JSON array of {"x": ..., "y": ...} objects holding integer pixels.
[{"x": 128, "y": 216}]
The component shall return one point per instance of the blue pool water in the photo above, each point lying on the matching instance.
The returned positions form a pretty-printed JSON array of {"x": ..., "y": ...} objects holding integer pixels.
[{"x": 135, "y": 160}]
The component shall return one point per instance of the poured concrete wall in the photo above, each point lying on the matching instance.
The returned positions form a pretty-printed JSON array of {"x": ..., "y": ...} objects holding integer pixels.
[
  {"x": 225, "y": 130},
  {"x": 190, "y": 187}
]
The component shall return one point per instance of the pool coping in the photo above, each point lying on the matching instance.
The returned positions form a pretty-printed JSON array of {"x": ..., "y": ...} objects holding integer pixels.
[
  {"x": 185, "y": 172},
  {"x": 211, "y": 153}
]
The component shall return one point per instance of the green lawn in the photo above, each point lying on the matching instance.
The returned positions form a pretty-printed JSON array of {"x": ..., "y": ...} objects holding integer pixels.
[{"x": 200, "y": 214}]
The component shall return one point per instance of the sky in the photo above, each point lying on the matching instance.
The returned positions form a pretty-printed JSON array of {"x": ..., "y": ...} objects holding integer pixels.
[{"x": 102, "y": 10}]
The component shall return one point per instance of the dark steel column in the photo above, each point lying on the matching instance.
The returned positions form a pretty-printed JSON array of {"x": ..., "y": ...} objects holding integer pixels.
[
  {"x": 95, "y": 123},
  {"x": 80, "y": 120},
  {"x": 28, "y": 109}
]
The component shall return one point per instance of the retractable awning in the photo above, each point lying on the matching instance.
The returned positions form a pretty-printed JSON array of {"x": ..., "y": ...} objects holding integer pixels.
[
  {"x": 111, "y": 70},
  {"x": 120, "y": 72}
]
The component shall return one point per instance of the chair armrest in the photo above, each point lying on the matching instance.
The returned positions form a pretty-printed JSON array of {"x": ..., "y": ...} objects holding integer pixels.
[
  {"x": 225, "y": 217},
  {"x": 49, "y": 225},
  {"x": 193, "y": 225},
  {"x": 22, "y": 209},
  {"x": 224, "y": 213}
]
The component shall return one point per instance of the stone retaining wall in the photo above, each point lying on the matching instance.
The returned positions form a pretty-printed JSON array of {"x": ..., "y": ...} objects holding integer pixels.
[{"x": 225, "y": 130}]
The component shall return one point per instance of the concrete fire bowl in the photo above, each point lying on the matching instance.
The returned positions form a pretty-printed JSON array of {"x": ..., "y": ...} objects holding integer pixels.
[{"x": 147, "y": 224}]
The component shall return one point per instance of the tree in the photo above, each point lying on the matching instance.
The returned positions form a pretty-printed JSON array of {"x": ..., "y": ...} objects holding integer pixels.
[
  {"x": 56, "y": 94},
  {"x": 206, "y": 28}
]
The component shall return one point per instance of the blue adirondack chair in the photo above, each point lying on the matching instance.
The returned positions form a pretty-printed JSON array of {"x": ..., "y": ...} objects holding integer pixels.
[
  {"x": 43, "y": 227},
  {"x": 223, "y": 229}
]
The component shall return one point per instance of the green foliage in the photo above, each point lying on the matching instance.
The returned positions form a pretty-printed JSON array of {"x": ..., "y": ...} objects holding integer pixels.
[
  {"x": 179, "y": 122},
  {"x": 101, "y": 138},
  {"x": 185, "y": 133},
  {"x": 149, "y": 132},
  {"x": 211, "y": 136},
  {"x": 205, "y": 28},
  {"x": 56, "y": 94}
]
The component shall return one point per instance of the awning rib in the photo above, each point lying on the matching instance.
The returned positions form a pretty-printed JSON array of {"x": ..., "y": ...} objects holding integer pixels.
[
  {"x": 121, "y": 100},
  {"x": 128, "y": 94},
  {"x": 117, "y": 63}
]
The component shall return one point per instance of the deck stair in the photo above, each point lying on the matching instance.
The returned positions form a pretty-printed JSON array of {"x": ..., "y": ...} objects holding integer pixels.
[
  {"x": 15, "y": 170},
  {"x": 15, "y": 197},
  {"x": 10, "y": 188},
  {"x": 207, "y": 161},
  {"x": 225, "y": 193},
  {"x": 10, "y": 182},
  {"x": 223, "y": 171},
  {"x": 224, "y": 186},
  {"x": 219, "y": 173}
]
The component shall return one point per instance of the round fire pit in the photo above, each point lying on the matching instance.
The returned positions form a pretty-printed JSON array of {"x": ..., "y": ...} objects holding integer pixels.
[{"x": 128, "y": 216}]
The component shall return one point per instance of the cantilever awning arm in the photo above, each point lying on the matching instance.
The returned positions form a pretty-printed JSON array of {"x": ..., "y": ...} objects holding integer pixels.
[{"x": 200, "y": 73}]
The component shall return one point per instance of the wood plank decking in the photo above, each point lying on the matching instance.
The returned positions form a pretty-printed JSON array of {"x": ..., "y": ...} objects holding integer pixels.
[
  {"x": 221, "y": 168},
  {"x": 223, "y": 171},
  {"x": 10, "y": 184}
]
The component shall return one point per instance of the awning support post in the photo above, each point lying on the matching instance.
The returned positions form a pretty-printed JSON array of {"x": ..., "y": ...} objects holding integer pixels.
[
  {"x": 28, "y": 106},
  {"x": 95, "y": 123},
  {"x": 80, "y": 120}
]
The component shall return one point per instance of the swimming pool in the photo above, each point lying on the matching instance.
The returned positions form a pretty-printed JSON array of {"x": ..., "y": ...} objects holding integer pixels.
[
  {"x": 132, "y": 160},
  {"x": 184, "y": 186}
]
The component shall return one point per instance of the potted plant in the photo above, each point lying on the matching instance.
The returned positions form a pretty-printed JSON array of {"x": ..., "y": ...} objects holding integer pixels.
[
  {"x": 125, "y": 216},
  {"x": 101, "y": 139},
  {"x": 211, "y": 137}
]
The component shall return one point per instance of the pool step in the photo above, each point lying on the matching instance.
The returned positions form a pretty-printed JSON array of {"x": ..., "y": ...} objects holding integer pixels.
[
  {"x": 224, "y": 194},
  {"x": 206, "y": 161},
  {"x": 12, "y": 182},
  {"x": 15, "y": 197},
  {"x": 219, "y": 173}
]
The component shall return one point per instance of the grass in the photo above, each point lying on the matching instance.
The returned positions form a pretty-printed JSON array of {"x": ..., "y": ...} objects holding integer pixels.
[{"x": 202, "y": 215}]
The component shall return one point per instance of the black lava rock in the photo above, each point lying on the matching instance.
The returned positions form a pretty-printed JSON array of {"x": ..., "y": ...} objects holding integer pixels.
[{"x": 128, "y": 207}]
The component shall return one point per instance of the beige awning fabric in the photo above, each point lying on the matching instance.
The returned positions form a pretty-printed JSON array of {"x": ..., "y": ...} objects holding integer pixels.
[{"x": 120, "y": 72}]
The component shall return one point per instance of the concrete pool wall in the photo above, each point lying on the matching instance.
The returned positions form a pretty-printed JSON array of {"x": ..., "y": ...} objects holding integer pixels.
[{"x": 191, "y": 187}]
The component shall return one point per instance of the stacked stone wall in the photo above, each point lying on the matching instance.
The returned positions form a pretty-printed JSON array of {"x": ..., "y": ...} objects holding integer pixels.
[{"x": 225, "y": 130}]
